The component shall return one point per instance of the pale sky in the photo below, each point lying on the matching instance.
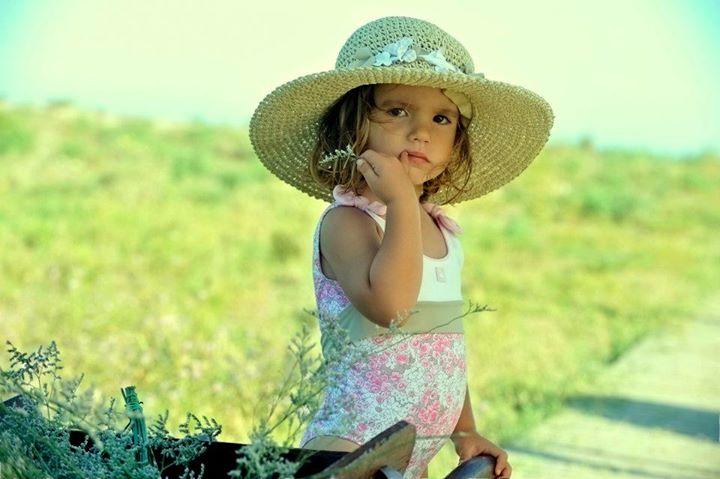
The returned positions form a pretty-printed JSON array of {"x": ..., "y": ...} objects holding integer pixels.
[{"x": 627, "y": 73}]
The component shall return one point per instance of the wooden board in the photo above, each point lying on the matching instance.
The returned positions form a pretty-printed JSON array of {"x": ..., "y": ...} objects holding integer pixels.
[{"x": 391, "y": 448}]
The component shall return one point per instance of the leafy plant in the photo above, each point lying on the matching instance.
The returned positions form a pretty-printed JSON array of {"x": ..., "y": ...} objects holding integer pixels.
[{"x": 35, "y": 428}]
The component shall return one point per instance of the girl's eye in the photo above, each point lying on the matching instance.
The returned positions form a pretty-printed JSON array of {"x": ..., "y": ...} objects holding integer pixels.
[{"x": 392, "y": 110}]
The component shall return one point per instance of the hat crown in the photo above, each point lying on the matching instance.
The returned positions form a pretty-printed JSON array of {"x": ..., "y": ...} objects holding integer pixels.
[{"x": 376, "y": 36}]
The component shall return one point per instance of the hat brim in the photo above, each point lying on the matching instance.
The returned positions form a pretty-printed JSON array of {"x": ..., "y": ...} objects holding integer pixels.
[{"x": 509, "y": 127}]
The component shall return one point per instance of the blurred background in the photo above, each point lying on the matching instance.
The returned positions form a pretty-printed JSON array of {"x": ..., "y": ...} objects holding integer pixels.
[
  {"x": 139, "y": 231},
  {"x": 657, "y": 62}
]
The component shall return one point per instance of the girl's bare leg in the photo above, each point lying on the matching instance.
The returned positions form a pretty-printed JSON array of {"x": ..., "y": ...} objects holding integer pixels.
[{"x": 330, "y": 443}]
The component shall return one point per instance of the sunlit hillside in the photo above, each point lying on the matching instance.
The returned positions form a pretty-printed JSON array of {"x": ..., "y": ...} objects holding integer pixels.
[{"x": 167, "y": 257}]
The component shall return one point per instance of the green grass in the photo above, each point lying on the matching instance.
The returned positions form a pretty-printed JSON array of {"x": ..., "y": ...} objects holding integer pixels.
[{"x": 167, "y": 257}]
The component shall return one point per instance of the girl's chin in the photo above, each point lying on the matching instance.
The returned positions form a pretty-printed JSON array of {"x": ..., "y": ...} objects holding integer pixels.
[{"x": 418, "y": 180}]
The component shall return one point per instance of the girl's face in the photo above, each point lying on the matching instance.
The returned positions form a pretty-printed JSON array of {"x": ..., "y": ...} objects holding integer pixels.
[{"x": 414, "y": 118}]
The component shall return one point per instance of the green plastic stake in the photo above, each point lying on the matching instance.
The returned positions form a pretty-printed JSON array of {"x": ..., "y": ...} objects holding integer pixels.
[{"x": 137, "y": 423}]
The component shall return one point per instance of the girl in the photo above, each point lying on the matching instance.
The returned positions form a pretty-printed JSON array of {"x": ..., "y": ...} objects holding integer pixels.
[{"x": 405, "y": 102}]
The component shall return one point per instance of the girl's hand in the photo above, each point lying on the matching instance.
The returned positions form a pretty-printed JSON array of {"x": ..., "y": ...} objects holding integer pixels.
[
  {"x": 387, "y": 176},
  {"x": 471, "y": 444}
]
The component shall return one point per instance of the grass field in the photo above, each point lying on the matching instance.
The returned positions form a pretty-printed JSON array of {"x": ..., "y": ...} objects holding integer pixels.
[{"x": 167, "y": 257}]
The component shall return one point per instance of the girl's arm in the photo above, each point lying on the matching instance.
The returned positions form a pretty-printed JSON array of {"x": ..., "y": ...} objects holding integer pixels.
[
  {"x": 396, "y": 270},
  {"x": 466, "y": 422},
  {"x": 379, "y": 275},
  {"x": 473, "y": 444}
]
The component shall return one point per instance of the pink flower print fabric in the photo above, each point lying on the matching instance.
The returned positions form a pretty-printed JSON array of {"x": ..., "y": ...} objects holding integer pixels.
[{"x": 419, "y": 378}]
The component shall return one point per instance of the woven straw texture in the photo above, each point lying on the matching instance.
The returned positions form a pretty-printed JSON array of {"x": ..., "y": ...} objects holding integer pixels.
[{"x": 509, "y": 127}]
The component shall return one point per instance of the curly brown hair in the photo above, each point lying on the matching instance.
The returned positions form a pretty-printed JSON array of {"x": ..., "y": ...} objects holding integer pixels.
[{"x": 347, "y": 122}]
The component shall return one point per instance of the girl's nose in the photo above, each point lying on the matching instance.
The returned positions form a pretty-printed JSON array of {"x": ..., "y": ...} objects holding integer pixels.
[{"x": 419, "y": 131}]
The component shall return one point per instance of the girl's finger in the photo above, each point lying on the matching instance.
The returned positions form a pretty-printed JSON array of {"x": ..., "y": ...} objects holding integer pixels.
[
  {"x": 501, "y": 462},
  {"x": 372, "y": 163},
  {"x": 361, "y": 165},
  {"x": 504, "y": 472}
]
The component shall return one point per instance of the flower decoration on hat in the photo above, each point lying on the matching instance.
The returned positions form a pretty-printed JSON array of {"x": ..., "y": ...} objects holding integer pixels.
[
  {"x": 402, "y": 51},
  {"x": 437, "y": 58},
  {"x": 399, "y": 51}
]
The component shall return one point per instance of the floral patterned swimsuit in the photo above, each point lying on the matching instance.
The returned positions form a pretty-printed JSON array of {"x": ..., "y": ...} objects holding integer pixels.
[{"x": 414, "y": 376}]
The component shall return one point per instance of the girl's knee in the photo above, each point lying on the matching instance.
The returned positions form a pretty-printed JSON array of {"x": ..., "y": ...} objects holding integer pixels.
[{"x": 331, "y": 443}]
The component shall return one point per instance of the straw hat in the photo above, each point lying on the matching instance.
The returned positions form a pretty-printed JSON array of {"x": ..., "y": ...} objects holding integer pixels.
[{"x": 508, "y": 125}]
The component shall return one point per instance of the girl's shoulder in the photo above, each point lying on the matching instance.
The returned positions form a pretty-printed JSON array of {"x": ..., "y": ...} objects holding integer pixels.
[
  {"x": 347, "y": 220},
  {"x": 346, "y": 244}
]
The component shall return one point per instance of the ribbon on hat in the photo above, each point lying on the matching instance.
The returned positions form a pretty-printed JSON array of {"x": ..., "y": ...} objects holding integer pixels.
[
  {"x": 349, "y": 198},
  {"x": 461, "y": 100}
]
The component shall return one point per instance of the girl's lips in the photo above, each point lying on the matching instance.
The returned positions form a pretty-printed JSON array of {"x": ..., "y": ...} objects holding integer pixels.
[
  {"x": 418, "y": 154},
  {"x": 417, "y": 159}
]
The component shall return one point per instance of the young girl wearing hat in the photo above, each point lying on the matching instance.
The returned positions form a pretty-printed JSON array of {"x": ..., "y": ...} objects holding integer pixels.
[{"x": 402, "y": 119}]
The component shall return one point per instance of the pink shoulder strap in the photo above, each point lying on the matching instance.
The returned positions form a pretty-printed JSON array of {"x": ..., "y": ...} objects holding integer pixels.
[{"x": 348, "y": 197}]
